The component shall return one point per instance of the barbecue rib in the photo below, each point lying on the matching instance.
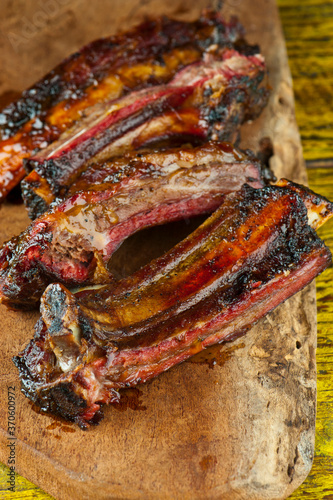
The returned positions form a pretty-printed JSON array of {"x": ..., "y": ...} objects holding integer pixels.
[
  {"x": 216, "y": 95},
  {"x": 73, "y": 242},
  {"x": 149, "y": 54},
  {"x": 254, "y": 252}
]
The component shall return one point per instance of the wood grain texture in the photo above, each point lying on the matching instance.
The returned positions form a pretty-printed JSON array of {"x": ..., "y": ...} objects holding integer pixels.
[
  {"x": 319, "y": 483},
  {"x": 205, "y": 467},
  {"x": 308, "y": 28},
  {"x": 308, "y": 31}
]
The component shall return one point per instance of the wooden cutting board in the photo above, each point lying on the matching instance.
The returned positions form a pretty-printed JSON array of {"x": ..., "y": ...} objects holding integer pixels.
[{"x": 234, "y": 423}]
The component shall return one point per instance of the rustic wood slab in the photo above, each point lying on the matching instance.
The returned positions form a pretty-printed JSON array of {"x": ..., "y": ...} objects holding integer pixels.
[{"x": 242, "y": 428}]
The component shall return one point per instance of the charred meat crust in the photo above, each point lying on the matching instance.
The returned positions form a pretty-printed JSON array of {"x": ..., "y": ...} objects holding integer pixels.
[
  {"x": 254, "y": 252},
  {"x": 150, "y": 41},
  {"x": 73, "y": 242},
  {"x": 209, "y": 99},
  {"x": 149, "y": 54}
]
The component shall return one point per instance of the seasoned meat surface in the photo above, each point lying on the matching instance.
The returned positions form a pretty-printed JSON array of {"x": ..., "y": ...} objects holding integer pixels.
[
  {"x": 73, "y": 242},
  {"x": 149, "y": 54},
  {"x": 254, "y": 252},
  {"x": 206, "y": 100}
]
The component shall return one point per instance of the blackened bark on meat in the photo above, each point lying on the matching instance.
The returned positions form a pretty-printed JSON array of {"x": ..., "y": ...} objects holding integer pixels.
[
  {"x": 222, "y": 92},
  {"x": 253, "y": 253},
  {"x": 73, "y": 242},
  {"x": 149, "y": 54},
  {"x": 151, "y": 41}
]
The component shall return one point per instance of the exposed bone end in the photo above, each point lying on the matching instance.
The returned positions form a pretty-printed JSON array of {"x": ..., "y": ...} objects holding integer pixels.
[
  {"x": 60, "y": 315},
  {"x": 19, "y": 284},
  {"x": 319, "y": 208}
]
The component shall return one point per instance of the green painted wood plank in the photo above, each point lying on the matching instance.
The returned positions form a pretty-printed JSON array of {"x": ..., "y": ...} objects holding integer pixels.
[
  {"x": 308, "y": 28},
  {"x": 23, "y": 490}
]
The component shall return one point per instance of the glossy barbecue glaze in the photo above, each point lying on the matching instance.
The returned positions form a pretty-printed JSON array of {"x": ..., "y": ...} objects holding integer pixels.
[
  {"x": 255, "y": 251},
  {"x": 73, "y": 242},
  {"x": 149, "y": 54},
  {"x": 221, "y": 91}
]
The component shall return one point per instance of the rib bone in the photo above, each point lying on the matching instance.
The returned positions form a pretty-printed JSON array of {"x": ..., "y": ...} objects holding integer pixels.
[{"x": 253, "y": 253}]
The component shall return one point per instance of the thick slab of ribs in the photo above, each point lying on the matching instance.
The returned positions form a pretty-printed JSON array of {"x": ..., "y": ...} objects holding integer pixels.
[
  {"x": 255, "y": 251},
  {"x": 206, "y": 100},
  {"x": 106, "y": 69},
  {"x": 73, "y": 242}
]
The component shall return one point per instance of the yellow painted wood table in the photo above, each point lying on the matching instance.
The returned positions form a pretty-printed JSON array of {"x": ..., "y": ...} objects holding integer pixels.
[{"x": 308, "y": 26}]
